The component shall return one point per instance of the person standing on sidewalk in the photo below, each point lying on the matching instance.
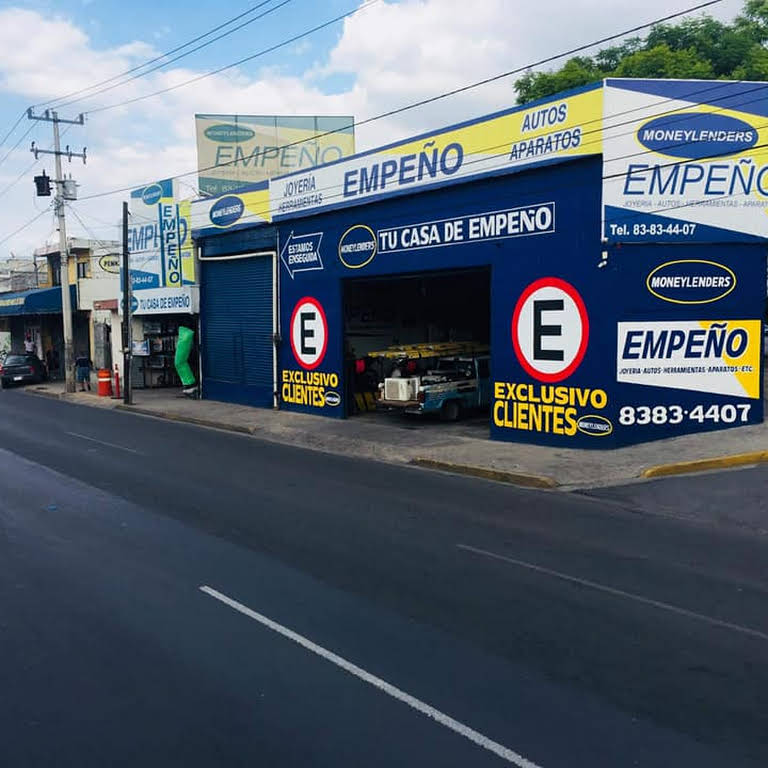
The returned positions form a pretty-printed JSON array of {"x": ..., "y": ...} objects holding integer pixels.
[{"x": 83, "y": 367}]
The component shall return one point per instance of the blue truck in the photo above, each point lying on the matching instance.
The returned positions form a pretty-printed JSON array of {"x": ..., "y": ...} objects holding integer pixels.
[{"x": 452, "y": 386}]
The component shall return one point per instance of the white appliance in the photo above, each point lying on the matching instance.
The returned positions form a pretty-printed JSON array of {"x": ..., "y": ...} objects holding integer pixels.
[{"x": 401, "y": 389}]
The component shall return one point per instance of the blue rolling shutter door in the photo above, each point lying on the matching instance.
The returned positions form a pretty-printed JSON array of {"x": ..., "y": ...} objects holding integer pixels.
[{"x": 237, "y": 317}]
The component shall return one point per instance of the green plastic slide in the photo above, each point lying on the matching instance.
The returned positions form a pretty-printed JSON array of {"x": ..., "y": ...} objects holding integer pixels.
[{"x": 183, "y": 348}]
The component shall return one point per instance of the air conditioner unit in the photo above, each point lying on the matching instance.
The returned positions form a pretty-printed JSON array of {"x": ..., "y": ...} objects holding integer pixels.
[{"x": 401, "y": 389}]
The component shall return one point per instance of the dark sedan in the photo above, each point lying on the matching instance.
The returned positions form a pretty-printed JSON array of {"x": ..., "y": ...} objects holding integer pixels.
[{"x": 22, "y": 369}]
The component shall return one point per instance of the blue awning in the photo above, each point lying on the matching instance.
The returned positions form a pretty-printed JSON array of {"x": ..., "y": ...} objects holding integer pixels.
[{"x": 40, "y": 301}]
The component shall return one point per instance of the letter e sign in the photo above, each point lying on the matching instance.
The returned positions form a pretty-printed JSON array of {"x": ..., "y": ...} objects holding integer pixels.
[
  {"x": 550, "y": 329},
  {"x": 309, "y": 333}
]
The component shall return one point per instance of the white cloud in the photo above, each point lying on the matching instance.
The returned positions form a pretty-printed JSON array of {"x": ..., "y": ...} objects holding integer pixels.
[
  {"x": 56, "y": 56},
  {"x": 392, "y": 54}
]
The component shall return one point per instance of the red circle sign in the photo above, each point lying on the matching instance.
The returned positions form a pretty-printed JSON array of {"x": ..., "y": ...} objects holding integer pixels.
[
  {"x": 550, "y": 329},
  {"x": 309, "y": 333}
]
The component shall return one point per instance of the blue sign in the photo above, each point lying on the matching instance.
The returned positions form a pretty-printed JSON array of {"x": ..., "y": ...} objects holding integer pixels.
[
  {"x": 697, "y": 135},
  {"x": 357, "y": 247},
  {"x": 151, "y": 195},
  {"x": 492, "y": 225},
  {"x": 227, "y": 211},
  {"x": 302, "y": 253},
  {"x": 141, "y": 280},
  {"x": 134, "y": 304}
]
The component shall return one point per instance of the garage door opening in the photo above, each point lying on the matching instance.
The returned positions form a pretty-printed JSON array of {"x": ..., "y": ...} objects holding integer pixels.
[{"x": 418, "y": 345}]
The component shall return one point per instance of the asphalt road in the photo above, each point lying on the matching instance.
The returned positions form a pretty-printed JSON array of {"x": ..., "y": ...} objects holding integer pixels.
[{"x": 175, "y": 596}]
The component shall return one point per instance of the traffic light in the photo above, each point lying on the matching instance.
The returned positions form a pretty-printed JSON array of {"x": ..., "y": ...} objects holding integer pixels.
[{"x": 43, "y": 184}]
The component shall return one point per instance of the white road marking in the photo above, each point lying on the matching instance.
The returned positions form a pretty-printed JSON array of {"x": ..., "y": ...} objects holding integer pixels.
[
  {"x": 454, "y": 725},
  {"x": 102, "y": 442},
  {"x": 618, "y": 592}
]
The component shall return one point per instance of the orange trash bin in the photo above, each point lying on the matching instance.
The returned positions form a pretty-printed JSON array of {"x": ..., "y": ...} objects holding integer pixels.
[{"x": 105, "y": 382}]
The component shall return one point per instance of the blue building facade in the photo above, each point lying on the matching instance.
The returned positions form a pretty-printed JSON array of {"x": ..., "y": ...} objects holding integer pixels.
[{"x": 599, "y": 336}]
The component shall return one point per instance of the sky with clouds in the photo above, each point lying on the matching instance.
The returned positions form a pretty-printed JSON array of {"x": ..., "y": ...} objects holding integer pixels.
[{"x": 389, "y": 54}]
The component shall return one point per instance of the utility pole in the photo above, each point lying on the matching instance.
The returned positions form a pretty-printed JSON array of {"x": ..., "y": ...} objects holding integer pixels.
[
  {"x": 50, "y": 116},
  {"x": 127, "y": 323}
]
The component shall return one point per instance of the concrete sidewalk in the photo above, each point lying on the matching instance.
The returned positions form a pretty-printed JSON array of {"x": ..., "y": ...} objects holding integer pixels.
[{"x": 460, "y": 447}]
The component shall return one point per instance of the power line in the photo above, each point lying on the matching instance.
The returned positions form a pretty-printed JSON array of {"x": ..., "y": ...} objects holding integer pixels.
[
  {"x": 12, "y": 128},
  {"x": 10, "y": 186},
  {"x": 366, "y": 4},
  {"x": 153, "y": 60},
  {"x": 396, "y": 111},
  {"x": 599, "y": 140},
  {"x": 27, "y": 169},
  {"x": 600, "y": 130},
  {"x": 424, "y": 102},
  {"x": 24, "y": 226},
  {"x": 536, "y": 186},
  {"x": 180, "y": 56},
  {"x": 102, "y": 243},
  {"x": 333, "y": 189},
  {"x": 21, "y": 138}
]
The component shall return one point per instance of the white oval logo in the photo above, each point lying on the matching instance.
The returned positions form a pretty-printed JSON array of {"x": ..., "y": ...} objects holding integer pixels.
[
  {"x": 110, "y": 262},
  {"x": 691, "y": 281},
  {"x": 595, "y": 425}
]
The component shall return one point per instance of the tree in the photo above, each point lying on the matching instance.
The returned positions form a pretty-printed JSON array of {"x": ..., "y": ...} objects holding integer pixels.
[
  {"x": 701, "y": 48},
  {"x": 662, "y": 61}
]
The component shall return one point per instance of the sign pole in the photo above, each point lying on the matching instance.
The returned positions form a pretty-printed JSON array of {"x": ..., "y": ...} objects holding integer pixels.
[{"x": 127, "y": 324}]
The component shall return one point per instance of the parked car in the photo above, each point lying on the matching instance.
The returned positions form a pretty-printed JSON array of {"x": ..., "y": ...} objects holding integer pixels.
[
  {"x": 23, "y": 368},
  {"x": 455, "y": 385}
]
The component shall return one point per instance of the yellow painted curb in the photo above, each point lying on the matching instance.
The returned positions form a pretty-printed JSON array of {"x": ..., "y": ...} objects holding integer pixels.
[
  {"x": 500, "y": 476},
  {"x": 701, "y": 465}
]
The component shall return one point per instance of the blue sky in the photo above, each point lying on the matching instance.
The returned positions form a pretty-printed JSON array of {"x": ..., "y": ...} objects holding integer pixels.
[
  {"x": 112, "y": 23},
  {"x": 390, "y": 54}
]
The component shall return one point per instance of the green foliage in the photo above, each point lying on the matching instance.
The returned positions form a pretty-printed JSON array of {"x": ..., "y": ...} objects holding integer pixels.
[
  {"x": 700, "y": 49},
  {"x": 662, "y": 61}
]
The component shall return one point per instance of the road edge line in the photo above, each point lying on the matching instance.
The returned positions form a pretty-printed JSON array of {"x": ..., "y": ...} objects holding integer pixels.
[
  {"x": 522, "y": 479},
  {"x": 702, "y": 465}
]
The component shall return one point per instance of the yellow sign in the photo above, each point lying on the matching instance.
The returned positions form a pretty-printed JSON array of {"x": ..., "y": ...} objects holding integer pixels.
[
  {"x": 310, "y": 388},
  {"x": 12, "y": 302},
  {"x": 560, "y": 129},
  {"x": 236, "y": 150},
  {"x": 548, "y": 408}
]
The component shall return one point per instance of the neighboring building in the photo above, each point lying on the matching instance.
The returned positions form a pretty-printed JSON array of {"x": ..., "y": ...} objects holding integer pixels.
[
  {"x": 94, "y": 288},
  {"x": 608, "y": 243},
  {"x": 20, "y": 274},
  {"x": 35, "y": 315},
  {"x": 163, "y": 280}
]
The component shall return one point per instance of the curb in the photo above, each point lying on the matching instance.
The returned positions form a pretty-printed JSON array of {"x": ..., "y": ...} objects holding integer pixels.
[
  {"x": 701, "y": 465},
  {"x": 44, "y": 393},
  {"x": 186, "y": 419},
  {"x": 499, "y": 476}
]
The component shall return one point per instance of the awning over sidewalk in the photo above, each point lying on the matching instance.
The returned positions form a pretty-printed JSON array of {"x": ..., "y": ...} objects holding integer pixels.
[{"x": 40, "y": 301}]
